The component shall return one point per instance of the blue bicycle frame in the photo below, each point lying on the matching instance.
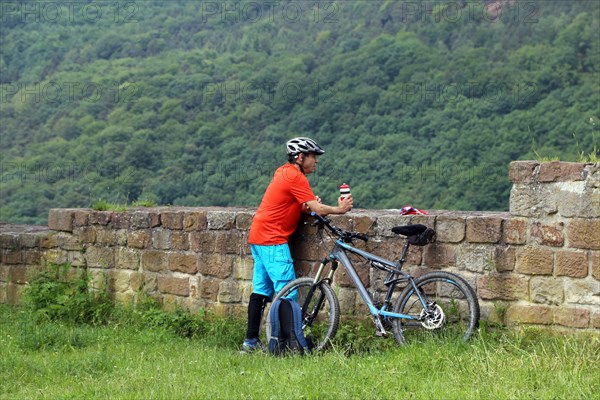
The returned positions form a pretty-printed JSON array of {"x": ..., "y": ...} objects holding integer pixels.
[{"x": 338, "y": 254}]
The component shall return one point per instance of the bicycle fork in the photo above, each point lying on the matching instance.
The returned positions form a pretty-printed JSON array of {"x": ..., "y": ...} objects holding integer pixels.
[{"x": 309, "y": 316}]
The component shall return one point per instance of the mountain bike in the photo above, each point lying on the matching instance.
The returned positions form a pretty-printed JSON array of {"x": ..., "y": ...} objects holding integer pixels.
[{"x": 438, "y": 302}]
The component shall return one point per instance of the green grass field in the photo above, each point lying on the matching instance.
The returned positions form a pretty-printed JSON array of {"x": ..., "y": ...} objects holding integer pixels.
[{"x": 56, "y": 360}]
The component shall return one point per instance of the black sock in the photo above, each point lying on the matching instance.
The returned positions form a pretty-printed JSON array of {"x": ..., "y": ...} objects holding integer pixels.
[{"x": 255, "y": 310}]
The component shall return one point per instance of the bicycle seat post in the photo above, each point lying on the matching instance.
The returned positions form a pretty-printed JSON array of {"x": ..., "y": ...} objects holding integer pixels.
[{"x": 403, "y": 255}]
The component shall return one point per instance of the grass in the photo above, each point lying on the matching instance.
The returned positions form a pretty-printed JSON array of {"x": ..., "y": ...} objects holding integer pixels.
[
  {"x": 123, "y": 360},
  {"x": 105, "y": 205}
]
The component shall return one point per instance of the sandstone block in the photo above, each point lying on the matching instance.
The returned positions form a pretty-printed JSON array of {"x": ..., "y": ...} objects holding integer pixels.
[
  {"x": 182, "y": 262},
  {"x": 61, "y": 219},
  {"x": 86, "y": 234},
  {"x": 439, "y": 255},
  {"x": 119, "y": 281},
  {"x": 548, "y": 235},
  {"x": 69, "y": 242},
  {"x": 100, "y": 257},
  {"x": 596, "y": 264},
  {"x": 10, "y": 240},
  {"x": 571, "y": 263},
  {"x": 502, "y": 287},
  {"x": 223, "y": 220},
  {"x": 150, "y": 282},
  {"x": 139, "y": 220},
  {"x": 535, "y": 261},
  {"x": 526, "y": 314},
  {"x": 4, "y": 273},
  {"x": 180, "y": 241},
  {"x": 100, "y": 217},
  {"x": 18, "y": 274},
  {"x": 558, "y": 171},
  {"x": 515, "y": 231},
  {"x": 347, "y": 300},
  {"x": 576, "y": 199},
  {"x": 484, "y": 229},
  {"x": 49, "y": 241},
  {"x": 595, "y": 320},
  {"x": 229, "y": 292},
  {"x": 31, "y": 257},
  {"x": 11, "y": 256},
  {"x": 203, "y": 242},
  {"x": 522, "y": 171},
  {"x": 229, "y": 242},
  {"x": 475, "y": 258},
  {"x": 535, "y": 200},
  {"x": 364, "y": 224},
  {"x": 504, "y": 258},
  {"x": 161, "y": 239},
  {"x": 120, "y": 220},
  {"x": 154, "y": 219},
  {"x": 546, "y": 290},
  {"x": 450, "y": 229},
  {"x": 342, "y": 278},
  {"x": 195, "y": 221},
  {"x": 154, "y": 260},
  {"x": 105, "y": 236},
  {"x": 243, "y": 267},
  {"x": 209, "y": 289},
  {"x": 217, "y": 265},
  {"x": 81, "y": 217},
  {"x": 30, "y": 240},
  {"x": 136, "y": 280},
  {"x": 583, "y": 233},
  {"x": 128, "y": 258},
  {"x": 57, "y": 256},
  {"x": 139, "y": 239},
  {"x": 174, "y": 285},
  {"x": 172, "y": 219},
  {"x": 582, "y": 291},
  {"x": 572, "y": 317},
  {"x": 243, "y": 220}
]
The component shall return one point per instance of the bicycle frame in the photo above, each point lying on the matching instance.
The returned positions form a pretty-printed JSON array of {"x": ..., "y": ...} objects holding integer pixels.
[{"x": 338, "y": 254}]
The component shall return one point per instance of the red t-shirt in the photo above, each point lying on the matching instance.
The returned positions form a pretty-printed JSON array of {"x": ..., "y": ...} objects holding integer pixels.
[{"x": 279, "y": 212}]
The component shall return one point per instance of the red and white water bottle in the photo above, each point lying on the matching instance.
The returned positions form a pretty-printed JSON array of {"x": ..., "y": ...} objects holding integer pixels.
[{"x": 344, "y": 190}]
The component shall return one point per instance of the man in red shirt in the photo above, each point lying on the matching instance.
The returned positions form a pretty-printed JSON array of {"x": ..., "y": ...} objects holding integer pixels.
[{"x": 277, "y": 217}]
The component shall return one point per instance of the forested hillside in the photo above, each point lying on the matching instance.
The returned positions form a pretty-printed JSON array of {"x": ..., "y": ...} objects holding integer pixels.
[{"x": 191, "y": 102}]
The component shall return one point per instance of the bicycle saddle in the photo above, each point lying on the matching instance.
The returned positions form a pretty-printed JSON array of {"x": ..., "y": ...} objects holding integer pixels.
[{"x": 409, "y": 230}]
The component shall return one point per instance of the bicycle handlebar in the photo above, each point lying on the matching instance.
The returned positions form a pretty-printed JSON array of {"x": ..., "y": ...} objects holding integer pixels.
[{"x": 342, "y": 234}]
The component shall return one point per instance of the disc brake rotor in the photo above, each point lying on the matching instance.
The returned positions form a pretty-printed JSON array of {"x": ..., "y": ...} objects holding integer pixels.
[{"x": 433, "y": 317}]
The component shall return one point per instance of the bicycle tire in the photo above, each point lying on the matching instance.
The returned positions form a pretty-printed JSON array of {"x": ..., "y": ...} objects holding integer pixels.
[
  {"x": 322, "y": 328},
  {"x": 456, "y": 312}
]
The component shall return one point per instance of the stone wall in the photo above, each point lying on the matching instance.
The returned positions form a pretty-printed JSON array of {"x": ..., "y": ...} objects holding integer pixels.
[{"x": 537, "y": 264}]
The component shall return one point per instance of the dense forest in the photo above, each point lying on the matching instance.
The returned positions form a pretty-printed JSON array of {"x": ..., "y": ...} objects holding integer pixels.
[{"x": 191, "y": 102}]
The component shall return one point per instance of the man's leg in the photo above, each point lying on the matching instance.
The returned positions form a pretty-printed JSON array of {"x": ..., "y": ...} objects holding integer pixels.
[
  {"x": 261, "y": 294},
  {"x": 256, "y": 307}
]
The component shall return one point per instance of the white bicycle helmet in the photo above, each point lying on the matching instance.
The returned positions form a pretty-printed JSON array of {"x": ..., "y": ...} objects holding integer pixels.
[{"x": 302, "y": 145}]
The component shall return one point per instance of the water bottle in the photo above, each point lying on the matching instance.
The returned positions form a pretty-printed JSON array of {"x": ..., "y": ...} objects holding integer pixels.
[{"x": 344, "y": 190}]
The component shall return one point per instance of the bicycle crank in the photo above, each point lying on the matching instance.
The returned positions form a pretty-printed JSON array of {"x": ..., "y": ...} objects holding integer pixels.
[{"x": 433, "y": 317}]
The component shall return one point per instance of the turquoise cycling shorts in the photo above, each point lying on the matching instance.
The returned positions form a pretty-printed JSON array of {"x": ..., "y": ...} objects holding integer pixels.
[{"x": 273, "y": 268}]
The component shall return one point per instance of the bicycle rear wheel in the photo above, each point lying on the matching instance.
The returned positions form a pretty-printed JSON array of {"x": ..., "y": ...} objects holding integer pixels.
[
  {"x": 452, "y": 311},
  {"x": 320, "y": 310}
]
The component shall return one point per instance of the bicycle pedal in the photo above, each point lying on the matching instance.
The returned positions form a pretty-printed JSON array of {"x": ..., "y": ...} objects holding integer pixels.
[{"x": 383, "y": 333}]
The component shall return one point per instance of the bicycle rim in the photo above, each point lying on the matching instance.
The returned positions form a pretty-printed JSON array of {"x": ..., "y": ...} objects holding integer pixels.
[
  {"x": 319, "y": 325},
  {"x": 453, "y": 312}
]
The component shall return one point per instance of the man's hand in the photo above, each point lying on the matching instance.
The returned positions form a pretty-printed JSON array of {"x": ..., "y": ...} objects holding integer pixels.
[{"x": 345, "y": 203}]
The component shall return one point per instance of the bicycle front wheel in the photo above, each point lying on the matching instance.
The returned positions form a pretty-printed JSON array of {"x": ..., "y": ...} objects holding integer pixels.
[
  {"x": 320, "y": 310},
  {"x": 452, "y": 309}
]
